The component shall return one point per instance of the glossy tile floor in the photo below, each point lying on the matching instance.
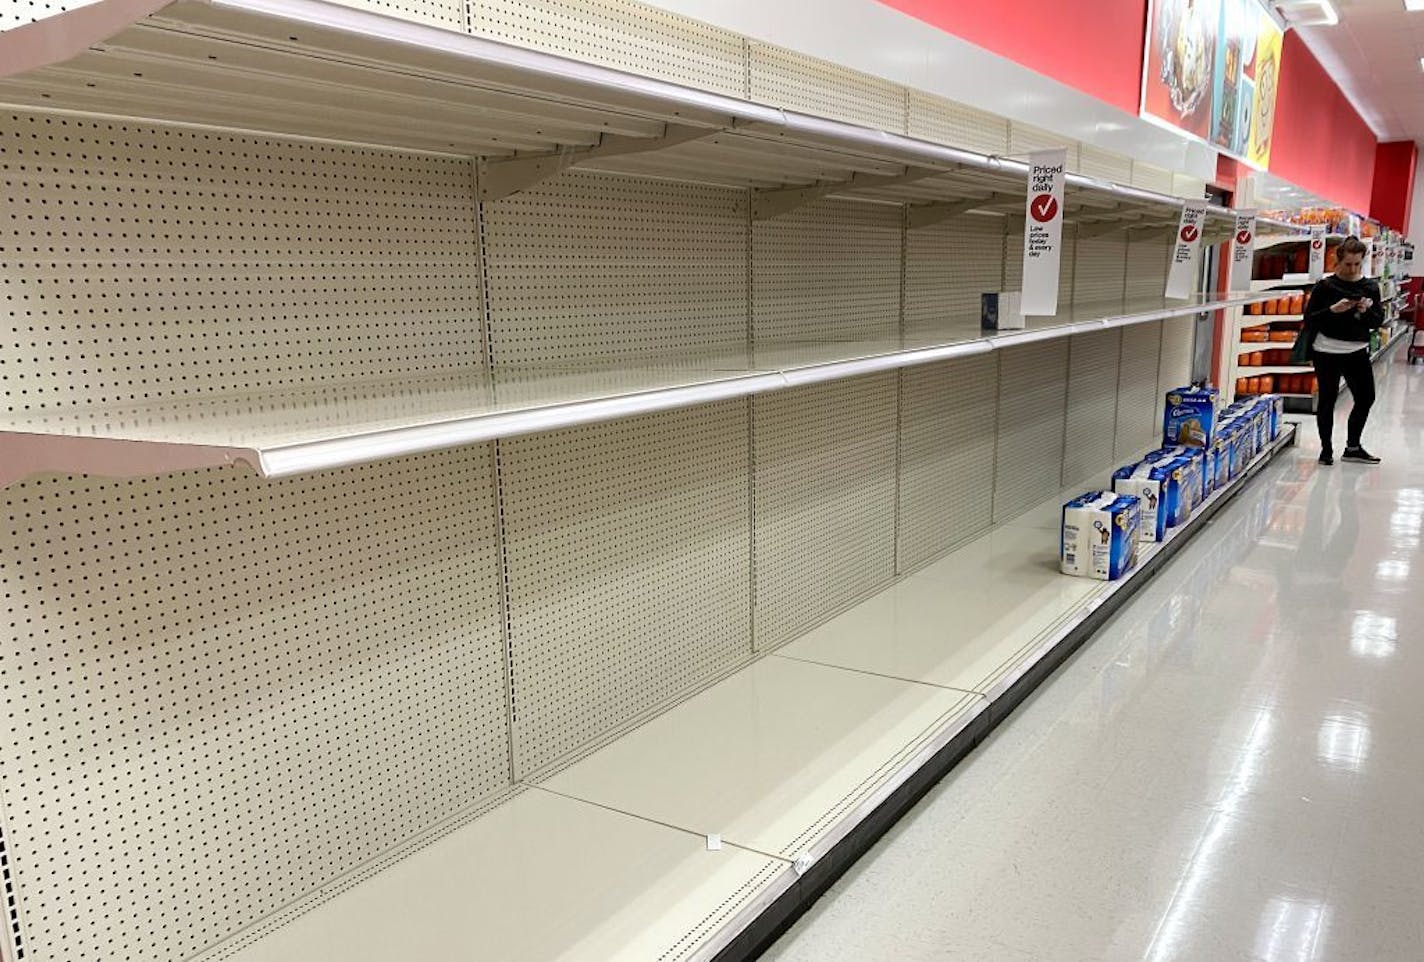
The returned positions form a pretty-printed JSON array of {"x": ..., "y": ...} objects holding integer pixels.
[{"x": 1230, "y": 770}]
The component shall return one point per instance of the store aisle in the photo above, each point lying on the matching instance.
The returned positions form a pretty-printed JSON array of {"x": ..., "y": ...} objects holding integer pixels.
[{"x": 1229, "y": 770}]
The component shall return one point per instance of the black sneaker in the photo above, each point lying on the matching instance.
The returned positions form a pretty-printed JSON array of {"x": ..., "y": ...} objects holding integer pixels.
[
  {"x": 1359, "y": 456},
  {"x": 1327, "y": 457}
]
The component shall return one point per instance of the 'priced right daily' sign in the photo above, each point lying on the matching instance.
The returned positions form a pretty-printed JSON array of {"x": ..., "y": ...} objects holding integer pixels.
[
  {"x": 1184, "y": 270},
  {"x": 1243, "y": 250},
  {"x": 1043, "y": 231},
  {"x": 1317, "y": 252}
]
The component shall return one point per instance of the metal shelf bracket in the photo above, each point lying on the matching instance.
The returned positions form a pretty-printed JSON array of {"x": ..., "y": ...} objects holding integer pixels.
[
  {"x": 927, "y": 215},
  {"x": 773, "y": 202},
  {"x": 500, "y": 178}
]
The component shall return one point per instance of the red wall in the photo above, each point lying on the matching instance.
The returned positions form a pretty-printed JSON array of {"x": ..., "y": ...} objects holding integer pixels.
[
  {"x": 1393, "y": 194},
  {"x": 1321, "y": 143},
  {"x": 1097, "y": 51}
]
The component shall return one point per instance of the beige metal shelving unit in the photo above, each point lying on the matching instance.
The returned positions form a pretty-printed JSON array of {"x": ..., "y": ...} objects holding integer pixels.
[{"x": 575, "y": 396}]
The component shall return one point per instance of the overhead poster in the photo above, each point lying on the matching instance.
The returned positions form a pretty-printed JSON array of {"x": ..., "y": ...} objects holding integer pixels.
[{"x": 1211, "y": 72}]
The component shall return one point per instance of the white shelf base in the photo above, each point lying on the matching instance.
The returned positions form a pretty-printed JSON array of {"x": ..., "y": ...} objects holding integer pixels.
[
  {"x": 608, "y": 857},
  {"x": 540, "y": 877},
  {"x": 1262, "y": 320},
  {"x": 1246, "y": 370}
]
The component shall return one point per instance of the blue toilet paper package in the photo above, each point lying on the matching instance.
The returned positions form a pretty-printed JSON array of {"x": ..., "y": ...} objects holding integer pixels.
[
  {"x": 1201, "y": 470},
  {"x": 1099, "y": 536},
  {"x": 1190, "y": 416},
  {"x": 1158, "y": 486},
  {"x": 1220, "y": 453},
  {"x": 1276, "y": 410}
]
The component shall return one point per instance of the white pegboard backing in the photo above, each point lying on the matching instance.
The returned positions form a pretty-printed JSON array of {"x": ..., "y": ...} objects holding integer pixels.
[
  {"x": 947, "y": 267},
  {"x": 1174, "y": 368},
  {"x": 1033, "y": 389},
  {"x": 1068, "y": 267},
  {"x": 830, "y": 270},
  {"x": 948, "y": 417},
  {"x": 1067, "y": 263},
  {"x": 13, "y": 13},
  {"x": 794, "y": 81},
  {"x": 629, "y": 566},
  {"x": 957, "y": 125},
  {"x": 449, "y": 14},
  {"x": 1184, "y": 185},
  {"x": 1100, "y": 270},
  {"x": 141, "y": 262},
  {"x": 1151, "y": 177},
  {"x": 622, "y": 34},
  {"x": 1013, "y": 264},
  {"x": 1025, "y": 137},
  {"x": 1139, "y": 407},
  {"x": 1107, "y": 164},
  {"x": 223, "y": 693},
  {"x": 1092, "y": 405},
  {"x": 593, "y": 269},
  {"x": 825, "y": 501},
  {"x": 1147, "y": 256}
]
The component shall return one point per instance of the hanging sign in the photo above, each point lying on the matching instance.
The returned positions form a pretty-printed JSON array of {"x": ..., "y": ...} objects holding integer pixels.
[
  {"x": 1043, "y": 231},
  {"x": 1369, "y": 257},
  {"x": 1184, "y": 270},
  {"x": 1243, "y": 250},
  {"x": 1317, "y": 252}
]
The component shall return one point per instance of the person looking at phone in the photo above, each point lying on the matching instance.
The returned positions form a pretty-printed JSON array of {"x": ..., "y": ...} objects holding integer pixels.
[{"x": 1343, "y": 310}]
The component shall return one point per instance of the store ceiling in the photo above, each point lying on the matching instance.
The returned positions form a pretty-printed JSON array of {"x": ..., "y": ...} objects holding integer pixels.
[{"x": 1373, "y": 54}]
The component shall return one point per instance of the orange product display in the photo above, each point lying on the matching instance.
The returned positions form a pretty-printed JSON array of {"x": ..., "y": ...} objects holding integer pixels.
[
  {"x": 1282, "y": 337},
  {"x": 1254, "y": 308},
  {"x": 1255, "y": 335}
]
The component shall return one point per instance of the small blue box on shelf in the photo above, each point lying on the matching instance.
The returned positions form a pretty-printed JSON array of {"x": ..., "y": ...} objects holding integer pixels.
[{"x": 1001, "y": 311}]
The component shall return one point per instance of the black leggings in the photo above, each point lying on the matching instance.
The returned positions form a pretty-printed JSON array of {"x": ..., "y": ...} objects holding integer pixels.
[{"x": 1359, "y": 375}]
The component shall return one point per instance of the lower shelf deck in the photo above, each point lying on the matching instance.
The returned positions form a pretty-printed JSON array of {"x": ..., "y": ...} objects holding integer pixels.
[{"x": 695, "y": 835}]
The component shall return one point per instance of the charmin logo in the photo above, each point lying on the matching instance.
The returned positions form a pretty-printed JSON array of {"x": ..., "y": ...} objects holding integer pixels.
[{"x": 1174, "y": 399}]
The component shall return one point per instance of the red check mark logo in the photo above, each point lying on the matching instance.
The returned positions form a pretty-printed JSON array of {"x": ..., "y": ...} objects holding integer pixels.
[
  {"x": 1043, "y": 207},
  {"x": 1243, "y": 237},
  {"x": 1189, "y": 233},
  {"x": 1317, "y": 244}
]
